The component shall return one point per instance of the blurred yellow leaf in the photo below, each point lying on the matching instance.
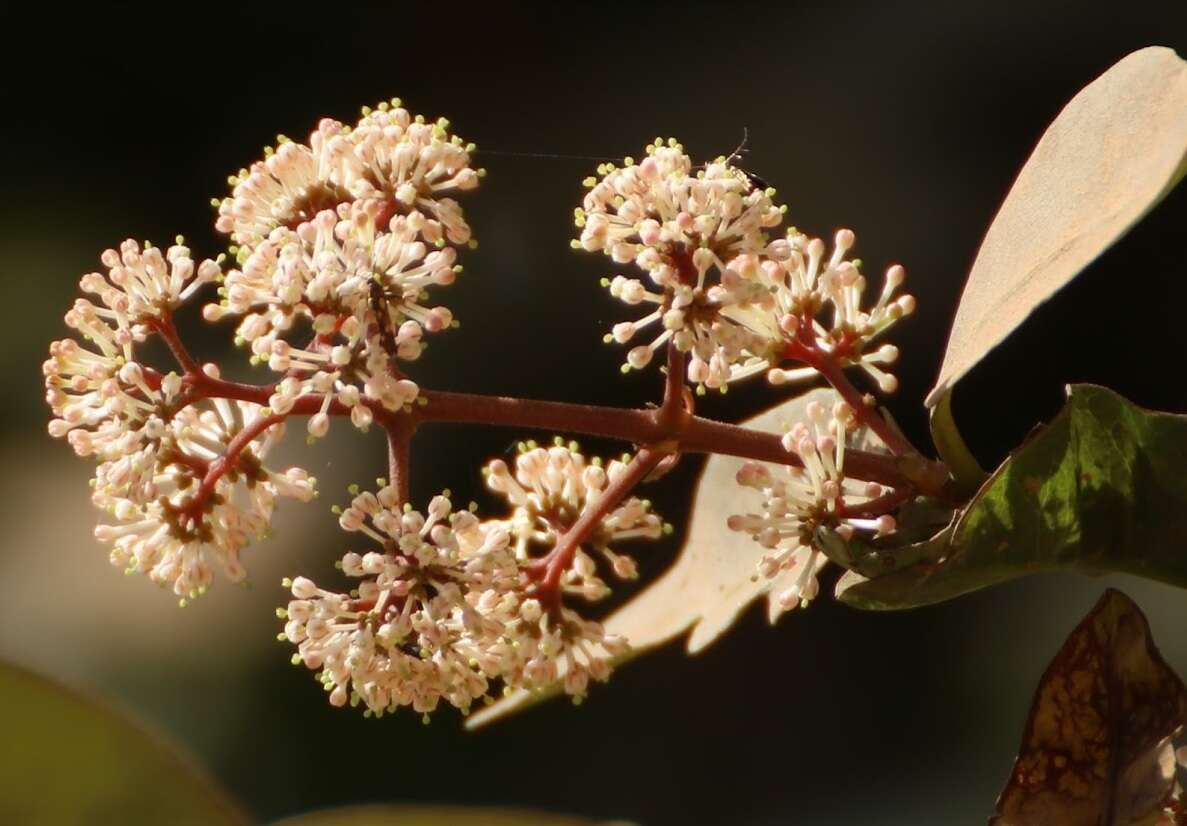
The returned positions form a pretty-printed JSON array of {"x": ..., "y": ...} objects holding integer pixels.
[
  {"x": 1097, "y": 749},
  {"x": 66, "y": 761},
  {"x": 715, "y": 575},
  {"x": 435, "y": 816},
  {"x": 1113, "y": 152}
]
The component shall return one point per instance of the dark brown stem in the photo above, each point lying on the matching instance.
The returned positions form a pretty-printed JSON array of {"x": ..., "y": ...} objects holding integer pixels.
[
  {"x": 693, "y": 434},
  {"x": 198, "y": 465}
]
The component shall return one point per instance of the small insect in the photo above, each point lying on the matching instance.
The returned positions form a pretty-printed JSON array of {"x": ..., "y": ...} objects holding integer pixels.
[
  {"x": 378, "y": 303},
  {"x": 755, "y": 180}
]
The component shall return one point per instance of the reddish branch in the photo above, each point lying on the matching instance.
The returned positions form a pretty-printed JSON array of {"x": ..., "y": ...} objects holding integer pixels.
[
  {"x": 676, "y": 404},
  {"x": 661, "y": 433},
  {"x": 549, "y": 570},
  {"x": 829, "y": 367},
  {"x": 399, "y": 448},
  {"x": 877, "y": 506},
  {"x": 693, "y": 434},
  {"x": 164, "y": 327},
  {"x": 228, "y": 461},
  {"x": 866, "y": 413},
  {"x": 197, "y": 464},
  {"x": 665, "y": 431}
]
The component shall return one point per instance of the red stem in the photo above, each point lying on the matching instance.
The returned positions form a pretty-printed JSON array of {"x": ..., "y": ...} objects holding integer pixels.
[
  {"x": 195, "y": 463},
  {"x": 876, "y": 506},
  {"x": 675, "y": 406},
  {"x": 167, "y": 330},
  {"x": 690, "y": 433},
  {"x": 223, "y": 464},
  {"x": 694, "y": 434},
  {"x": 548, "y": 590},
  {"x": 827, "y": 365},
  {"x": 866, "y": 414},
  {"x": 399, "y": 449}
]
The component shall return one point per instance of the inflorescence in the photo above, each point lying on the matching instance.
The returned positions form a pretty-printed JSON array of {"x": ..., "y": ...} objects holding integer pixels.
[
  {"x": 737, "y": 302},
  {"x": 339, "y": 246}
]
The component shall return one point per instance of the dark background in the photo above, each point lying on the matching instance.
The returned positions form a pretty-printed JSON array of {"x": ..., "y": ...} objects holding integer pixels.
[{"x": 906, "y": 122}]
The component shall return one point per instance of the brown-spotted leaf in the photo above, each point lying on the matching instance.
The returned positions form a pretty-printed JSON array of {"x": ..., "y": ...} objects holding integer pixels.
[
  {"x": 436, "y": 816},
  {"x": 1097, "y": 748},
  {"x": 1111, "y": 154},
  {"x": 714, "y": 578}
]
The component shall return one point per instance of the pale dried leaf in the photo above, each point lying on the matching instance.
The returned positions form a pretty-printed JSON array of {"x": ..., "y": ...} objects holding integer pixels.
[
  {"x": 1113, "y": 152},
  {"x": 715, "y": 576}
]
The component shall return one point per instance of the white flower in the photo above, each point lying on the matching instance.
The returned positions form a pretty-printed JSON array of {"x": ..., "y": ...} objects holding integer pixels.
[
  {"x": 291, "y": 185},
  {"x": 566, "y": 648},
  {"x": 818, "y": 303},
  {"x": 658, "y": 212},
  {"x": 403, "y": 157},
  {"x": 422, "y": 625},
  {"x": 390, "y": 156},
  {"x": 141, "y": 284},
  {"x": 101, "y": 398},
  {"x": 800, "y": 501},
  {"x": 682, "y": 229},
  {"x": 177, "y": 518},
  {"x": 359, "y": 286},
  {"x": 550, "y": 490},
  {"x": 444, "y": 606}
]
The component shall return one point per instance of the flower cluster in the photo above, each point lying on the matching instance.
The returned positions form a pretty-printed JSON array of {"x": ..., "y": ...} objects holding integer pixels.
[
  {"x": 418, "y": 629},
  {"x": 338, "y": 243},
  {"x": 178, "y": 514},
  {"x": 389, "y": 155},
  {"x": 817, "y": 309},
  {"x": 683, "y": 228},
  {"x": 445, "y": 607},
  {"x": 550, "y": 490},
  {"x": 340, "y": 240},
  {"x": 142, "y": 284},
  {"x": 800, "y": 502},
  {"x": 735, "y": 301}
]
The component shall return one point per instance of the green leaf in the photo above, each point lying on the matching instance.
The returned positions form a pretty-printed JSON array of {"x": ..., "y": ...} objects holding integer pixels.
[
  {"x": 1102, "y": 488},
  {"x": 715, "y": 575},
  {"x": 1113, "y": 152},
  {"x": 67, "y": 760},
  {"x": 1098, "y": 747},
  {"x": 435, "y": 816}
]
